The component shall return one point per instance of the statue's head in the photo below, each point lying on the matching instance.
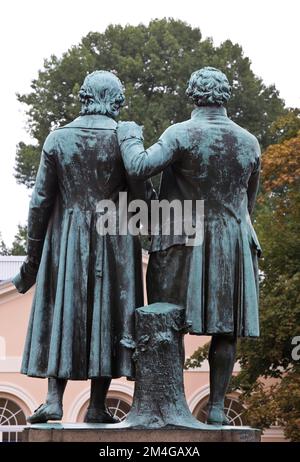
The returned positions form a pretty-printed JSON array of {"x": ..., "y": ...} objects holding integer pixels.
[
  {"x": 101, "y": 93},
  {"x": 209, "y": 87}
]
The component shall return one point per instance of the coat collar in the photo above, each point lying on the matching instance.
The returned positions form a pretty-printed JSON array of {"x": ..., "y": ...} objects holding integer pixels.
[
  {"x": 93, "y": 122},
  {"x": 209, "y": 111}
]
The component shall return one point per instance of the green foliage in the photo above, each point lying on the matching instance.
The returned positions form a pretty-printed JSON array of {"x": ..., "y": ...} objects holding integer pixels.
[
  {"x": 286, "y": 126},
  {"x": 270, "y": 355},
  {"x": 154, "y": 62},
  {"x": 288, "y": 399},
  {"x": 277, "y": 224},
  {"x": 262, "y": 408},
  {"x": 19, "y": 243},
  {"x": 278, "y": 403},
  {"x": 27, "y": 162},
  {"x": 4, "y": 251},
  {"x": 197, "y": 357}
]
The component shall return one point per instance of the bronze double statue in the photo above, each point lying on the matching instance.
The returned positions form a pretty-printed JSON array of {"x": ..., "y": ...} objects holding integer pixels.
[{"x": 89, "y": 285}]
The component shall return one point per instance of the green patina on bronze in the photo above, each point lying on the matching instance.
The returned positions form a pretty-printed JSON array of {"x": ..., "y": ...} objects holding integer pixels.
[
  {"x": 87, "y": 285},
  {"x": 209, "y": 158}
]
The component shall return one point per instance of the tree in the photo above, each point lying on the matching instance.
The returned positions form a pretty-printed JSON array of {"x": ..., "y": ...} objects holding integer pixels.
[
  {"x": 4, "y": 251},
  {"x": 19, "y": 243},
  {"x": 286, "y": 126},
  {"x": 277, "y": 222},
  {"x": 154, "y": 62}
]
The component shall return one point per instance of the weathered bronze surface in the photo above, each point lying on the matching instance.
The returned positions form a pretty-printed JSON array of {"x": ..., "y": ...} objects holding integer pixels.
[
  {"x": 159, "y": 399},
  {"x": 209, "y": 158},
  {"x": 87, "y": 285}
]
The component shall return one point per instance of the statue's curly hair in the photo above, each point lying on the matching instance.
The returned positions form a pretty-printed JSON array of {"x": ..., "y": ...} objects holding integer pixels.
[
  {"x": 101, "y": 93},
  {"x": 209, "y": 86}
]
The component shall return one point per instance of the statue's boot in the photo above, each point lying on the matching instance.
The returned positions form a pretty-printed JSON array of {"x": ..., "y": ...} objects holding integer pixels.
[
  {"x": 216, "y": 415},
  {"x": 45, "y": 412},
  {"x": 95, "y": 415}
]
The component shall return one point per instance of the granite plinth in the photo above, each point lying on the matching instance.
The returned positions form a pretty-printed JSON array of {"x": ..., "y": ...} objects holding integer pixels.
[{"x": 104, "y": 433}]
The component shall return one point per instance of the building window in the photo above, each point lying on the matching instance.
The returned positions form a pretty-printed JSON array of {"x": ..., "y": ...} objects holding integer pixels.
[
  {"x": 233, "y": 409},
  {"x": 11, "y": 415},
  {"x": 118, "y": 408}
]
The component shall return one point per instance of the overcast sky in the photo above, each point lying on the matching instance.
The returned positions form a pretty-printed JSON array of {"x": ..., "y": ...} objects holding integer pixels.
[{"x": 31, "y": 30}]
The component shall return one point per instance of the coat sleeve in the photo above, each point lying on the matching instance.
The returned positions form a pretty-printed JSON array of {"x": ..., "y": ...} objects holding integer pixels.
[
  {"x": 253, "y": 183},
  {"x": 40, "y": 208},
  {"x": 141, "y": 163}
]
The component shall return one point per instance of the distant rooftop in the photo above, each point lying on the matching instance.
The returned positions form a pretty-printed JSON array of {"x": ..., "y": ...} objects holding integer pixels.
[{"x": 9, "y": 266}]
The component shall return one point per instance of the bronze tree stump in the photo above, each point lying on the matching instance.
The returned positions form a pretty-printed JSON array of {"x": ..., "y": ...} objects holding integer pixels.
[{"x": 159, "y": 399}]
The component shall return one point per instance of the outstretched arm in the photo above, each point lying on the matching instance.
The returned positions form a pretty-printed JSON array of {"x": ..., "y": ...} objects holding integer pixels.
[
  {"x": 40, "y": 208},
  {"x": 141, "y": 163}
]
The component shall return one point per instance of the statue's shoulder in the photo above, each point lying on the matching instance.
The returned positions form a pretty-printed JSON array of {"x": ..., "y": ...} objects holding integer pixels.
[
  {"x": 50, "y": 142},
  {"x": 177, "y": 130},
  {"x": 244, "y": 135},
  {"x": 55, "y": 138}
]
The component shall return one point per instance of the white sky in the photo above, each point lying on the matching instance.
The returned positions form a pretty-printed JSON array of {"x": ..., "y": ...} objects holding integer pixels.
[{"x": 31, "y": 30}]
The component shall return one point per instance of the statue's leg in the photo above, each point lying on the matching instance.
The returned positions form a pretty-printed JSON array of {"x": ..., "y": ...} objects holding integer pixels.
[
  {"x": 52, "y": 409},
  {"x": 56, "y": 389},
  {"x": 221, "y": 359},
  {"x": 97, "y": 411}
]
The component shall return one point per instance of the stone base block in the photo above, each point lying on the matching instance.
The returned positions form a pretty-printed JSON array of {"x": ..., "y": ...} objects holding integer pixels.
[{"x": 104, "y": 433}]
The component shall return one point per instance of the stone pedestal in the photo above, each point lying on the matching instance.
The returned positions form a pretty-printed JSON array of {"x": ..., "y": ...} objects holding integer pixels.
[
  {"x": 118, "y": 433},
  {"x": 159, "y": 412}
]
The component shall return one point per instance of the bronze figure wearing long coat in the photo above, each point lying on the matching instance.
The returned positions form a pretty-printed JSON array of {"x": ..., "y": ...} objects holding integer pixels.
[
  {"x": 209, "y": 158},
  {"x": 88, "y": 285}
]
